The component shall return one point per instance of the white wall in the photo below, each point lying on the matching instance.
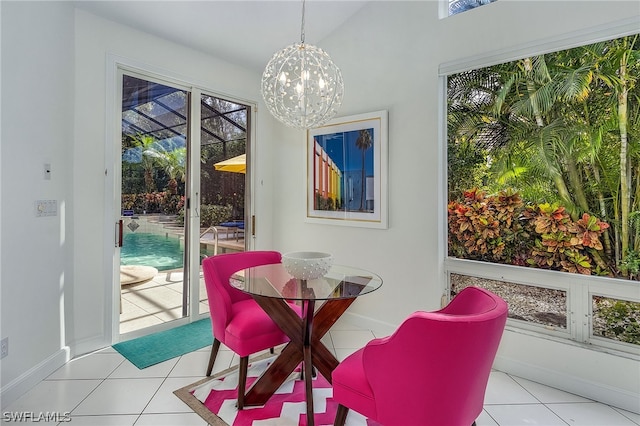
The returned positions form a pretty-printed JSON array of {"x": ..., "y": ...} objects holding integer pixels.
[
  {"x": 37, "y": 128},
  {"x": 389, "y": 54}
]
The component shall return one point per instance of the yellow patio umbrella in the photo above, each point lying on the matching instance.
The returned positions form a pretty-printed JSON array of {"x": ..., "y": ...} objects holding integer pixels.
[{"x": 236, "y": 164}]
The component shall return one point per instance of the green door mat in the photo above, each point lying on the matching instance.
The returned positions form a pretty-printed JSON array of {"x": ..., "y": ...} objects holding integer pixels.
[{"x": 158, "y": 347}]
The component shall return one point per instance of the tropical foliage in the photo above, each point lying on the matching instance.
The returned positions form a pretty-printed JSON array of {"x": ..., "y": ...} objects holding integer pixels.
[
  {"x": 556, "y": 138},
  {"x": 153, "y": 202},
  {"x": 153, "y": 175},
  {"x": 502, "y": 229},
  {"x": 210, "y": 215}
]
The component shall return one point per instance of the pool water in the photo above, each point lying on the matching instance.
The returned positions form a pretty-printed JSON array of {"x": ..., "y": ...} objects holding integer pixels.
[{"x": 163, "y": 252}]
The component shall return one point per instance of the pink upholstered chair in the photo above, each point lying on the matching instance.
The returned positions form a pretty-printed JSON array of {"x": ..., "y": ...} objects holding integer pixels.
[
  {"x": 433, "y": 370},
  {"x": 236, "y": 319}
]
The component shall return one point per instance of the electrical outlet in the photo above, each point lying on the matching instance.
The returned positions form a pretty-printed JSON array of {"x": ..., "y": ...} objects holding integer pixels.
[{"x": 4, "y": 347}]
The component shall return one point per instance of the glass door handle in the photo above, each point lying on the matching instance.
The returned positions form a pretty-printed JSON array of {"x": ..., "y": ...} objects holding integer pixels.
[{"x": 119, "y": 225}]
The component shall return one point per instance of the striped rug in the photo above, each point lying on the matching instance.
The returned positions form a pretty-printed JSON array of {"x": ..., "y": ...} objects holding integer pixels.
[{"x": 214, "y": 399}]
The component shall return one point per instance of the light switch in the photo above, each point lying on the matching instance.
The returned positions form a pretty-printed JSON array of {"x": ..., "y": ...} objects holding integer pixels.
[
  {"x": 46, "y": 208},
  {"x": 47, "y": 171}
]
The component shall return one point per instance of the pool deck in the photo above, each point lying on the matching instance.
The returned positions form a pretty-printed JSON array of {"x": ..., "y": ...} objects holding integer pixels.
[
  {"x": 159, "y": 299},
  {"x": 156, "y": 301},
  {"x": 224, "y": 245}
]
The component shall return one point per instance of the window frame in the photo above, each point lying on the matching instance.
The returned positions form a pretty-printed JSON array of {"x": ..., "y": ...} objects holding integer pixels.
[{"x": 445, "y": 6}]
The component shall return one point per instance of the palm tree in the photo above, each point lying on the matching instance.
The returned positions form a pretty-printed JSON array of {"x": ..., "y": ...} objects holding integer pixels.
[
  {"x": 614, "y": 66},
  {"x": 146, "y": 144},
  {"x": 621, "y": 59},
  {"x": 364, "y": 142},
  {"x": 174, "y": 165},
  {"x": 530, "y": 95}
]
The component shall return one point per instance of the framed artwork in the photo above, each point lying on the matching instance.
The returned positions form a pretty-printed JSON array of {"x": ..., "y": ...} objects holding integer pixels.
[{"x": 347, "y": 171}]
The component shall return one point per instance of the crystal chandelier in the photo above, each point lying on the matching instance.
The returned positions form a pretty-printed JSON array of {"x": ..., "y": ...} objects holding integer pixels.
[{"x": 301, "y": 85}]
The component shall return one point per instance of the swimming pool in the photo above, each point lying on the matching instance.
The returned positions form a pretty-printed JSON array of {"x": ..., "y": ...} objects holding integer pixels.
[{"x": 163, "y": 252}]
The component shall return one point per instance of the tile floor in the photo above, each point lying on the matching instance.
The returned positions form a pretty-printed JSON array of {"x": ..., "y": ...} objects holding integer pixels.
[{"x": 104, "y": 388}]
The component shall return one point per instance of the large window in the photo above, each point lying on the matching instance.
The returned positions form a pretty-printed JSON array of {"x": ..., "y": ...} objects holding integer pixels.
[
  {"x": 543, "y": 157},
  {"x": 459, "y": 6}
]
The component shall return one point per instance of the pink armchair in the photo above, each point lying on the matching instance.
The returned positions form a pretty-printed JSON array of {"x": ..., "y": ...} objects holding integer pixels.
[
  {"x": 237, "y": 320},
  {"x": 433, "y": 370}
]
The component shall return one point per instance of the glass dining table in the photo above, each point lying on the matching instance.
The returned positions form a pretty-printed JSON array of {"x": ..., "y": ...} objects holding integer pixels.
[{"x": 273, "y": 287}]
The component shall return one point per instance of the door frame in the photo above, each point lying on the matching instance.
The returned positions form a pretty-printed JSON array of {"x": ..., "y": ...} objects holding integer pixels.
[{"x": 115, "y": 65}]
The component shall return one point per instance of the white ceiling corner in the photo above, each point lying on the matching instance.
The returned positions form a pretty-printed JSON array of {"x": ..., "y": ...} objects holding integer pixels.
[{"x": 246, "y": 33}]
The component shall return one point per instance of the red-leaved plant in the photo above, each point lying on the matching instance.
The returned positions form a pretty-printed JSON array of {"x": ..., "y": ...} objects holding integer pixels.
[{"x": 500, "y": 228}]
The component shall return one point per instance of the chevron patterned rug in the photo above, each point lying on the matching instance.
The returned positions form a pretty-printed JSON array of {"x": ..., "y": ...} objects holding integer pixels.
[{"x": 214, "y": 399}]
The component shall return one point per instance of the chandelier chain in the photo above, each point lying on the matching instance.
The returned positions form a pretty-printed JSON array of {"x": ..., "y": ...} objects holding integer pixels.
[{"x": 302, "y": 25}]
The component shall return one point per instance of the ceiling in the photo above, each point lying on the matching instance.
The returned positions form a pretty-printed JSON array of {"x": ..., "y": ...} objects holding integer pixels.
[{"x": 242, "y": 32}]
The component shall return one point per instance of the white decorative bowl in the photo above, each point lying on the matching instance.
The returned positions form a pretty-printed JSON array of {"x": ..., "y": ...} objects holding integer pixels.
[{"x": 307, "y": 265}]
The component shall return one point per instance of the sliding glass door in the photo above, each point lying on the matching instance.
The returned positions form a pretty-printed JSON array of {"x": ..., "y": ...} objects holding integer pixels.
[{"x": 179, "y": 202}]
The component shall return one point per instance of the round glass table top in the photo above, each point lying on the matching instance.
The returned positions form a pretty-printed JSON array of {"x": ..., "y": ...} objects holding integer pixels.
[{"x": 341, "y": 282}]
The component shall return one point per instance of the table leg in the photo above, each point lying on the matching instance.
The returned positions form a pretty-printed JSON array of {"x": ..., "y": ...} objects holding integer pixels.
[
  {"x": 308, "y": 306},
  {"x": 304, "y": 347},
  {"x": 324, "y": 318},
  {"x": 290, "y": 357}
]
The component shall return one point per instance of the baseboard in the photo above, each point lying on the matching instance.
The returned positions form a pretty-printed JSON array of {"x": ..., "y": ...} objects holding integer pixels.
[
  {"x": 600, "y": 392},
  {"x": 379, "y": 328},
  {"x": 25, "y": 382},
  {"x": 85, "y": 346}
]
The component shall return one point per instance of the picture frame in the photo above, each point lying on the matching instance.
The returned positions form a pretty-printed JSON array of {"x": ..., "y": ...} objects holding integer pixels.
[{"x": 347, "y": 171}]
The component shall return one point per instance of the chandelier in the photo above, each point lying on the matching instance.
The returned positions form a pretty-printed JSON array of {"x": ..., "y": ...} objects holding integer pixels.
[{"x": 301, "y": 85}]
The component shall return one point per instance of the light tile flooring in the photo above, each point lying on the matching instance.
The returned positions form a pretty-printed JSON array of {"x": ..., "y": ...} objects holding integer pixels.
[{"x": 104, "y": 388}]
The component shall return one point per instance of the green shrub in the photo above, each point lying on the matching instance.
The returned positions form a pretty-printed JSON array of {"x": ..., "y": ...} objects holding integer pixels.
[
  {"x": 630, "y": 264},
  {"x": 210, "y": 215},
  {"x": 621, "y": 319},
  {"x": 152, "y": 202}
]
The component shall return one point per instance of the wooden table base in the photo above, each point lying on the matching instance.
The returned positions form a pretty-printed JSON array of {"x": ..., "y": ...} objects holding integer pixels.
[{"x": 304, "y": 347}]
